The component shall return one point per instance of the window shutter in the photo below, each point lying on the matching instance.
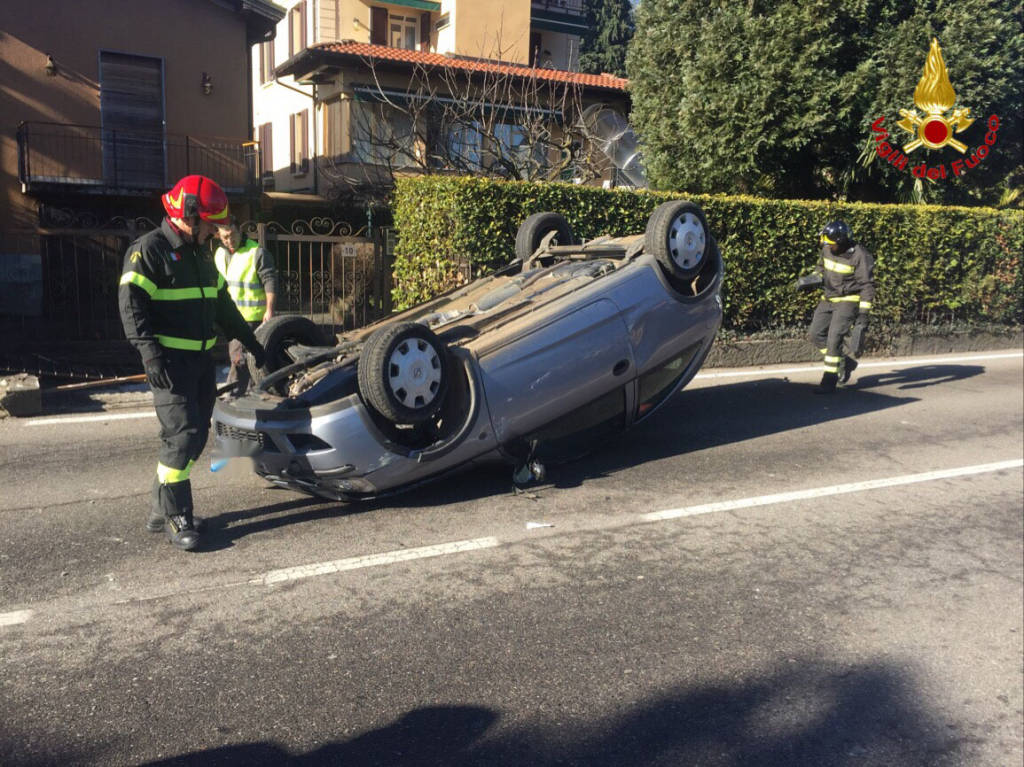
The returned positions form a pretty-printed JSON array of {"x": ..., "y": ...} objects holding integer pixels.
[
  {"x": 304, "y": 142},
  {"x": 378, "y": 26},
  {"x": 305, "y": 22},
  {"x": 291, "y": 125},
  {"x": 425, "y": 32},
  {"x": 267, "y": 149}
]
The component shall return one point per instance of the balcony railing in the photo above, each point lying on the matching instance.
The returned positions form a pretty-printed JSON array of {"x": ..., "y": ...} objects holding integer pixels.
[
  {"x": 571, "y": 7},
  {"x": 91, "y": 159}
]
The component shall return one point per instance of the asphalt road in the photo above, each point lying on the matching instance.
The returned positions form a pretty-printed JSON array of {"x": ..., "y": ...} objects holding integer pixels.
[{"x": 758, "y": 576}]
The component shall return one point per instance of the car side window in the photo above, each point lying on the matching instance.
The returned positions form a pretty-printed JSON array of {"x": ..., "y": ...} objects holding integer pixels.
[
  {"x": 657, "y": 384},
  {"x": 577, "y": 433}
]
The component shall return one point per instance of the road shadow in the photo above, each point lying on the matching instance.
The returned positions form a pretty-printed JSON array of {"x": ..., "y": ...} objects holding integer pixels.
[
  {"x": 223, "y": 530},
  {"x": 812, "y": 714},
  {"x": 919, "y": 377},
  {"x": 693, "y": 420}
]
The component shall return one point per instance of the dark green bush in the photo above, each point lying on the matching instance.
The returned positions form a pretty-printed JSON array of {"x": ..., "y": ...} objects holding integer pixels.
[{"x": 932, "y": 263}]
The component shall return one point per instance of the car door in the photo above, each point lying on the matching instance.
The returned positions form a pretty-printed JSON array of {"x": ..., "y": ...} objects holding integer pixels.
[{"x": 557, "y": 369}]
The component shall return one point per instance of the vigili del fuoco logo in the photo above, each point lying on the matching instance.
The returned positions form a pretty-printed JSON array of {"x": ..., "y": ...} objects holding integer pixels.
[{"x": 936, "y": 128}]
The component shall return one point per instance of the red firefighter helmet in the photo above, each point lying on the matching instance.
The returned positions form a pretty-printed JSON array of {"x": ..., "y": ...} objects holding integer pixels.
[{"x": 196, "y": 197}]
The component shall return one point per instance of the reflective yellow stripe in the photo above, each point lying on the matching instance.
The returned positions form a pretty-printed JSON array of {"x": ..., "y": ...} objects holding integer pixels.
[
  {"x": 831, "y": 368},
  {"x": 169, "y": 476},
  {"x": 837, "y": 299},
  {"x": 183, "y": 294},
  {"x": 834, "y": 360},
  {"x": 823, "y": 351},
  {"x": 835, "y": 266},
  {"x": 134, "y": 278},
  {"x": 865, "y": 304},
  {"x": 186, "y": 344},
  {"x": 220, "y": 281}
]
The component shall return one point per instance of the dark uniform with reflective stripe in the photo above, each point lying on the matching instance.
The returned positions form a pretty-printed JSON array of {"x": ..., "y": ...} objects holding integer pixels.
[
  {"x": 849, "y": 285},
  {"x": 171, "y": 296}
]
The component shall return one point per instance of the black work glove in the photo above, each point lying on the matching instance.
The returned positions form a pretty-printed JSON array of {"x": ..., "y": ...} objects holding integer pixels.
[
  {"x": 860, "y": 326},
  {"x": 156, "y": 373},
  {"x": 259, "y": 355}
]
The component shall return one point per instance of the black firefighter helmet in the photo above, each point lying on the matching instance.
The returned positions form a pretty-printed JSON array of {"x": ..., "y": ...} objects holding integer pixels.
[{"x": 838, "y": 235}]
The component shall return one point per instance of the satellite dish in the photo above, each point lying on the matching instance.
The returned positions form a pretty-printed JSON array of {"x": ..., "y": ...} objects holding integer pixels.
[{"x": 609, "y": 130}]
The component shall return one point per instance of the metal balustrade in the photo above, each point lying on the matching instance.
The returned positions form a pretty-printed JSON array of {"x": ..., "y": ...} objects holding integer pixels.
[{"x": 93, "y": 160}]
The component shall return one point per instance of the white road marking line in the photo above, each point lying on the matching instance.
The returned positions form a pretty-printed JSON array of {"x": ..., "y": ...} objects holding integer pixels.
[
  {"x": 14, "y": 618},
  {"x": 456, "y": 547},
  {"x": 895, "y": 362},
  {"x": 823, "y": 492},
  {"x": 373, "y": 560},
  {"x": 89, "y": 418}
]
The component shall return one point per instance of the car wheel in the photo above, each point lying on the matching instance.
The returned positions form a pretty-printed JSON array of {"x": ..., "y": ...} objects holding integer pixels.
[
  {"x": 677, "y": 236},
  {"x": 535, "y": 227},
  {"x": 403, "y": 372},
  {"x": 276, "y": 335}
]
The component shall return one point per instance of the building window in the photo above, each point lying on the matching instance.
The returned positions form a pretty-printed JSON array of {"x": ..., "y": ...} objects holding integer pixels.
[
  {"x": 465, "y": 142},
  {"x": 266, "y": 61},
  {"x": 300, "y": 143},
  {"x": 266, "y": 139},
  {"x": 383, "y": 135},
  {"x": 297, "y": 28},
  {"x": 402, "y": 32}
]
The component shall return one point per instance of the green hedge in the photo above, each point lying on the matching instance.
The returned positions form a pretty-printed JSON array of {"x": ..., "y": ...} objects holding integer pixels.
[{"x": 932, "y": 263}]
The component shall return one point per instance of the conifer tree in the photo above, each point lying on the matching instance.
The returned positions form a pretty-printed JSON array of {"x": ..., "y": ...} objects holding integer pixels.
[
  {"x": 603, "y": 49},
  {"x": 777, "y": 97}
]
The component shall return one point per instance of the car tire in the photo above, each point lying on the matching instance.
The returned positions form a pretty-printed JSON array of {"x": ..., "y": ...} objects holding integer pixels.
[
  {"x": 534, "y": 229},
  {"x": 403, "y": 372},
  {"x": 276, "y": 335},
  {"x": 677, "y": 236}
]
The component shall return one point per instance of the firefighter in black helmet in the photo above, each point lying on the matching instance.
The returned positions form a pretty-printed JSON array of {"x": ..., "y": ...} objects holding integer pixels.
[{"x": 846, "y": 271}]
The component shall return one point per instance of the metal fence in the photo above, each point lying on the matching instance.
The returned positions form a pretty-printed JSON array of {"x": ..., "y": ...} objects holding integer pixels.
[
  {"x": 58, "y": 286},
  {"x": 90, "y": 158},
  {"x": 329, "y": 271}
]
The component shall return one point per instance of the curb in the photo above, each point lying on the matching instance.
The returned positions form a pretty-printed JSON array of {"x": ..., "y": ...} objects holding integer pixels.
[{"x": 753, "y": 353}]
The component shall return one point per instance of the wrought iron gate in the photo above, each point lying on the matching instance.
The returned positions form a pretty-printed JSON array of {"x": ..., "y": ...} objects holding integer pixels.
[
  {"x": 328, "y": 271},
  {"x": 336, "y": 274}
]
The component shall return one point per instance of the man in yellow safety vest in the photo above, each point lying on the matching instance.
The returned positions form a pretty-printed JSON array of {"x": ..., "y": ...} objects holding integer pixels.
[{"x": 249, "y": 271}]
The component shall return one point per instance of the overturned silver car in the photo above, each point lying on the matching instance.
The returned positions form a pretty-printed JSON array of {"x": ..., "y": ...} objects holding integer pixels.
[{"x": 538, "y": 362}]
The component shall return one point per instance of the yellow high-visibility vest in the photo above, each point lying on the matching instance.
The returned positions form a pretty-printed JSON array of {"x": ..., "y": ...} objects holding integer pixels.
[{"x": 244, "y": 283}]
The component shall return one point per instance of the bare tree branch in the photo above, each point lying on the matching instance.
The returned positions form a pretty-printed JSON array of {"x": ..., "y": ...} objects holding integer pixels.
[{"x": 450, "y": 120}]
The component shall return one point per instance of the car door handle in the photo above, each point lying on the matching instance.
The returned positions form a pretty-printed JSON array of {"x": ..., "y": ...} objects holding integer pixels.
[{"x": 620, "y": 367}]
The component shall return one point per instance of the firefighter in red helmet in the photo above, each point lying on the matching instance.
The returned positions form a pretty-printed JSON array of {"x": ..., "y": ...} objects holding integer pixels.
[{"x": 170, "y": 297}]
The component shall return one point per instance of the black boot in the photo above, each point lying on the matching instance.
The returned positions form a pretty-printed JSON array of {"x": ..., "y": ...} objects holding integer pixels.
[
  {"x": 182, "y": 532},
  {"x": 849, "y": 365},
  {"x": 156, "y": 521},
  {"x": 828, "y": 384}
]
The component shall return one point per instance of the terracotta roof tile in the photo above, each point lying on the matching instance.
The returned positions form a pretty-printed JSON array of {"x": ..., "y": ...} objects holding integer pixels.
[{"x": 386, "y": 53}]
